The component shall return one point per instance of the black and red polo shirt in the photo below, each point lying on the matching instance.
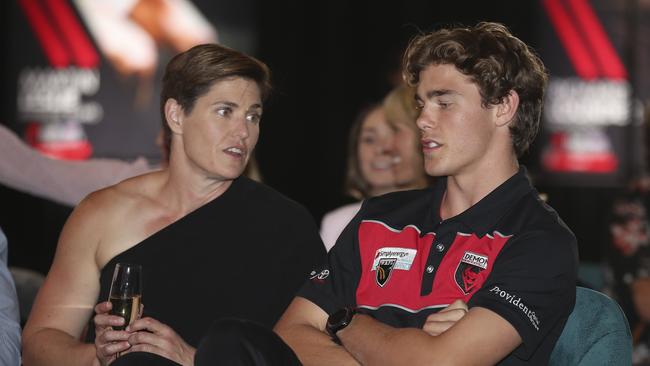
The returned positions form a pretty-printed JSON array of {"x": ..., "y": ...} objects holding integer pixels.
[{"x": 398, "y": 262}]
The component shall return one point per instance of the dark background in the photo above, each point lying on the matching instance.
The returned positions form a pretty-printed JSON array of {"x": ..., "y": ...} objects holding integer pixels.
[
  {"x": 328, "y": 60},
  {"x": 342, "y": 55}
]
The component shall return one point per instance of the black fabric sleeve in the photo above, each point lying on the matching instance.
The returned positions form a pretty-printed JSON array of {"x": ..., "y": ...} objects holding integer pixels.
[
  {"x": 303, "y": 249},
  {"x": 333, "y": 285},
  {"x": 532, "y": 286}
]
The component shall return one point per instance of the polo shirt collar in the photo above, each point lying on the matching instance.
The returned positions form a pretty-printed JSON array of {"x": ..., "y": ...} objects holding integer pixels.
[{"x": 482, "y": 217}]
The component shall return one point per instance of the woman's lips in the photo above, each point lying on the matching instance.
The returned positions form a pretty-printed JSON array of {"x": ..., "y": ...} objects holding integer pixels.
[{"x": 236, "y": 151}]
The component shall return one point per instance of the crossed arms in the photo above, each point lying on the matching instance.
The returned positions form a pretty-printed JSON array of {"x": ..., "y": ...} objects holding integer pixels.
[{"x": 452, "y": 336}]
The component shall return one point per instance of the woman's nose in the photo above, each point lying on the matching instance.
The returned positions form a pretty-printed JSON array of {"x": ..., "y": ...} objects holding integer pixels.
[
  {"x": 241, "y": 128},
  {"x": 386, "y": 146}
]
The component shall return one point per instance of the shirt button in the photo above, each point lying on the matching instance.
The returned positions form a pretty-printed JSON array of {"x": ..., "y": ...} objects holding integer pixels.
[
  {"x": 430, "y": 269},
  {"x": 440, "y": 247}
]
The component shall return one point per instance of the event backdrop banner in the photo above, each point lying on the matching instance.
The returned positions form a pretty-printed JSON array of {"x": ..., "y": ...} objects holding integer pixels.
[
  {"x": 82, "y": 77},
  {"x": 592, "y": 121}
]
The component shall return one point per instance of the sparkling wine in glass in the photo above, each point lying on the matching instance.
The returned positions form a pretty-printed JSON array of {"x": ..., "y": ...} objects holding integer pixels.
[{"x": 126, "y": 292}]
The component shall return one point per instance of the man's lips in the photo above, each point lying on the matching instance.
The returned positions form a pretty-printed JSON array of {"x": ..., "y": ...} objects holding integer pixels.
[{"x": 428, "y": 144}]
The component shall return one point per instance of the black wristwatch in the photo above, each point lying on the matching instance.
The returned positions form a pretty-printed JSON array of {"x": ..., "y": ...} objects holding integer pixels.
[{"x": 339, "y": 320}]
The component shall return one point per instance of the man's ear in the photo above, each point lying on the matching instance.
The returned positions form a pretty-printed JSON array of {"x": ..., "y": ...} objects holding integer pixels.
[
  {"x": 507, "y": 109},
  {"x": 174, "y": 115}
]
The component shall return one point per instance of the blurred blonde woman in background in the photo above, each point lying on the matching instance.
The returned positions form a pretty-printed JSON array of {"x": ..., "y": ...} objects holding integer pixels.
[{"x": 383, "y": 156}]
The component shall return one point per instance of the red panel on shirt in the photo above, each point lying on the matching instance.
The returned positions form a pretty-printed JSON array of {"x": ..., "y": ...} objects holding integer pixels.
[{"x": 467, "y": 255}]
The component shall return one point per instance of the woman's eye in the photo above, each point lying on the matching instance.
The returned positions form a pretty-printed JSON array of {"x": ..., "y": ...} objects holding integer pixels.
[
  {"x": 255, "y": 118},
  {"x": 444, "y": 105},
  {"x": 224, "y": 112},
  {"x": 367, "y": 139}
]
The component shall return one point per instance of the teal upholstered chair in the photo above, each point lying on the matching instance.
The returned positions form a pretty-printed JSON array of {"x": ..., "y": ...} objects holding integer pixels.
[{"x": 596, "y": 333}]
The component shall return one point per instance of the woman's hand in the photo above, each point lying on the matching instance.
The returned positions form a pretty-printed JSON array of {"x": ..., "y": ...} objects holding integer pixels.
[
  {"x": 439, "y": 322},
  {"x": 108, "y": 342},
  {"x": 150, "y": 335}
]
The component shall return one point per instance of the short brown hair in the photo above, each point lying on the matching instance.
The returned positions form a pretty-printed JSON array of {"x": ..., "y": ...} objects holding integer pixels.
[
  {"x": 192, "y": 73},
  {"x": 496, "y": 61}
]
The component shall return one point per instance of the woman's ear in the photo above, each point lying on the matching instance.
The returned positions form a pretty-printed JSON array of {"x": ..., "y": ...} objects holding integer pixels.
[
  {"x": 174, "y": 115},
  {"x": 507, "y": 109}
]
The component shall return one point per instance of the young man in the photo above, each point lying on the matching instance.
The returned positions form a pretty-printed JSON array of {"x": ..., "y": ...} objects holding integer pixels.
[{"x": 474, "y": 271}]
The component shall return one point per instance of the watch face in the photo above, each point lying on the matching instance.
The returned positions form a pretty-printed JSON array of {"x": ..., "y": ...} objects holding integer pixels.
[
  {"x": 338, "y": 318},
  {"x": 338, "y": 321}
]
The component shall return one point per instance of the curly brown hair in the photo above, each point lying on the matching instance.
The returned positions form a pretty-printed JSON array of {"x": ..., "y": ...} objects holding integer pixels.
[{"x": 496, "y": 61}]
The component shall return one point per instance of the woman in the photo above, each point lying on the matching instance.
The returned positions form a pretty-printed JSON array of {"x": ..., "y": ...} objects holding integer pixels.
[
  {"x": 212, "y": 244},
  {"x": 401, "y": 113},
  {"x": 383, "y": 156}
]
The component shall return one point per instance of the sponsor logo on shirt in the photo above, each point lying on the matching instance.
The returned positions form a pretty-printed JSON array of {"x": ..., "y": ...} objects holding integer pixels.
[
  {"x": 475, "y": 259},
  {"x": 384, "y": 270},
  {"x": 319, "y": 276},
  {"x": 467, "y": 271},
  {"x": 516, "y": 302},
  {"x": 391, "y": 258}
]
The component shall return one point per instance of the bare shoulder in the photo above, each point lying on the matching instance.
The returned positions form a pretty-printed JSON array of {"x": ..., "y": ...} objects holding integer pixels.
[
  {"x": 103, "y": 224},
  {"x": 122, "y": 215},
  {"x": 121, "y": 198},
  {"x": 86, "y": 227}
]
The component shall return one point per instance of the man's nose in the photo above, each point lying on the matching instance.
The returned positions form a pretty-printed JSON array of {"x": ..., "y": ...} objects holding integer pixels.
[{"x": 424, "y": 120}]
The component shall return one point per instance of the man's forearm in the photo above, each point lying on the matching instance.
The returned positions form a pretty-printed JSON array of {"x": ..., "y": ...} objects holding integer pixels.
[
  {"x": 375, "y": 343},
  {"x": 54, "y": 347},
  {"x": 314, "y": 347}
]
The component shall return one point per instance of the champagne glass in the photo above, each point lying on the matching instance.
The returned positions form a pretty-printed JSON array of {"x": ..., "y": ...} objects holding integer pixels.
[{"x": 126, "y": 292}]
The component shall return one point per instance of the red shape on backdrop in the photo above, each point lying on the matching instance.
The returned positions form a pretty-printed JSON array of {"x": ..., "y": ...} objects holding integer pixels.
[
  {"x": 74, "y": 149},
  {"x": 65, "y": 43},
  {"x": 60, "y": 34},
  {"x": 560, "y": 159},
  {"x": 610, "y": 64},
  {"x": 584, "y": 40},
  {"x": 52, "y": 45},
  {"x": 81, "y": 48},
  {"x": 582, "y": 61}
]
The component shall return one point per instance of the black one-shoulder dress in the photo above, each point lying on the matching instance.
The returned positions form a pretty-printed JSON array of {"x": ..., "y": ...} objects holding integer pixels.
[{"x": 244, "y": 254}]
